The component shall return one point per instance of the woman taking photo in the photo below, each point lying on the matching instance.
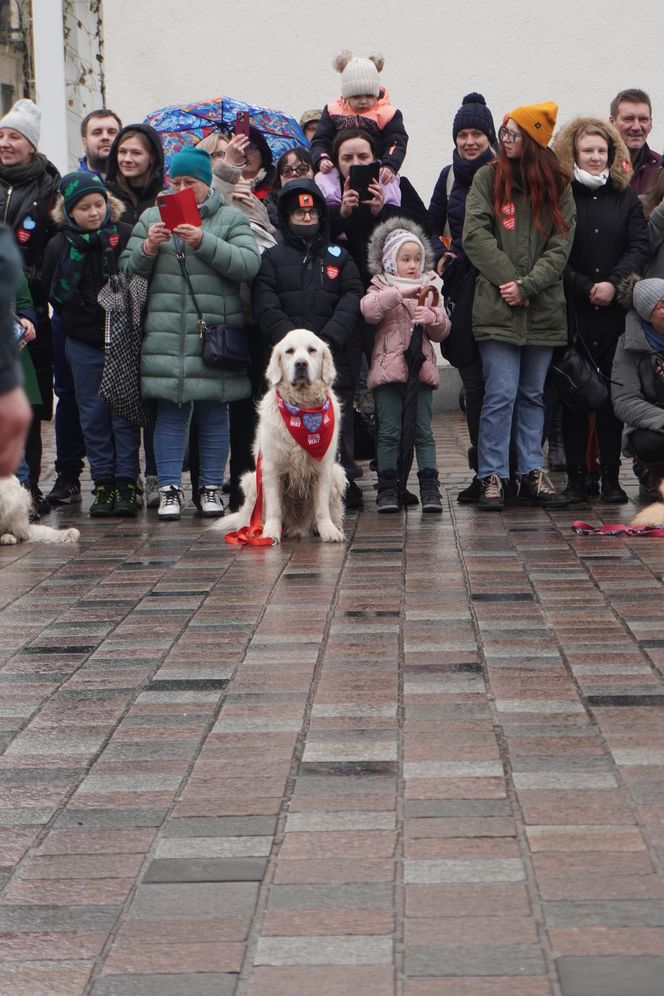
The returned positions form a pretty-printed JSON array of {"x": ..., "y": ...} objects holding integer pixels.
[
  {"x": 610, "y": 242},
  {"x": 518, "y": 232},
  {"x": 218, "y": 255}
]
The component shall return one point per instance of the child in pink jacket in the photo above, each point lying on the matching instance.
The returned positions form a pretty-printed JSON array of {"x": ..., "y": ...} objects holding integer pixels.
[{"x": 400, "y": 258}]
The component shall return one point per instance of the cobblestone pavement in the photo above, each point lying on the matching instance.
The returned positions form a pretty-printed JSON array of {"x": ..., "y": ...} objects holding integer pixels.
[{"x": 428, "y": 761}]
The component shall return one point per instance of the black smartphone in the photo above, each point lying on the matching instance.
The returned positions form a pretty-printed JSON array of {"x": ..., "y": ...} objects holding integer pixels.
[{"x": 362, "y": 176}]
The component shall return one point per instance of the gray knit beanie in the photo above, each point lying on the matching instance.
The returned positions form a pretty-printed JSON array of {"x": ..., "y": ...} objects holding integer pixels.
[
  {"x": 24, "y": 117},
  {"x": 358, "y": 76},
  {"x": 647, "y": 294}
]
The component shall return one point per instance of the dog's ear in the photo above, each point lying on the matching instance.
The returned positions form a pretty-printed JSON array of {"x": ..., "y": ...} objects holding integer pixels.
[
  {"x": 274, "y": 372},
  {"x": 327, "y": 373}
]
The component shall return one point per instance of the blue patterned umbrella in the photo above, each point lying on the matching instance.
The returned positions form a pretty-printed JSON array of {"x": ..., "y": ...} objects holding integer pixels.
[{"x": 186, "y": 124}]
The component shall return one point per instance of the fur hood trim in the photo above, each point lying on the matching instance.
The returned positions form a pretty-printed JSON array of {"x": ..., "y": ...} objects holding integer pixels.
[
  {"x": 115, "y": 204},
  {"x": 380, "y": 234},
  {"x": 620, "y": 170}
]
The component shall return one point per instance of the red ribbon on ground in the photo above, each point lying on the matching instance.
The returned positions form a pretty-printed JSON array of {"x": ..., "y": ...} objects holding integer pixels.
[
  {"x": 619, "y": 529},
  {"x": 252, "y": 535}
]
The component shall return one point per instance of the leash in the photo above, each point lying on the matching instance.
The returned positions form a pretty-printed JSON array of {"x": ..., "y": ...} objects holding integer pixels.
[
  {"x": 619, "y": 529},
  {"x": 252, "y": 535}
]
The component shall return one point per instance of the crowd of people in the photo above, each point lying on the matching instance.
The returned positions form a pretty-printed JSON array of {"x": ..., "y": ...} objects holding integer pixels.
[{"x": 536, "y": 236}]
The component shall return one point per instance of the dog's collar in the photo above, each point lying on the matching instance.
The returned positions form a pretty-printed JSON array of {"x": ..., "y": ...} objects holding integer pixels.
[{"x": 311, "y": 428}]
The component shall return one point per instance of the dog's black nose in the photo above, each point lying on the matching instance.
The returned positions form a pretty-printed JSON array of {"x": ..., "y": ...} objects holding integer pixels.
[{"x": 301, "y": 368}]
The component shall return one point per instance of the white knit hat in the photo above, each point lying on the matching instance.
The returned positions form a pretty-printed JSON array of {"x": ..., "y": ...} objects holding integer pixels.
[
  {"x": 358, "y": 76},
  {"x": 647, "y": 294},
  {"x": 393, "y": 243},
  {"x": 24, "y": 117}
]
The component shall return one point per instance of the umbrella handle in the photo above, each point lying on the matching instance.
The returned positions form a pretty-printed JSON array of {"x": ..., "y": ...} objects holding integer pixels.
[{"x": 422, "y": 299}]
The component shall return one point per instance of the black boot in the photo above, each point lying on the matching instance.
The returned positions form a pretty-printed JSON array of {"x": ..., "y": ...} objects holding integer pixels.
[
  {"x": 611, "y": 491},
  {"x": 430, "y": 490},
  {"x": 471, "y": 494},
  {"x": 387, "y": 499},
  {"x": 575, "y": 492}
]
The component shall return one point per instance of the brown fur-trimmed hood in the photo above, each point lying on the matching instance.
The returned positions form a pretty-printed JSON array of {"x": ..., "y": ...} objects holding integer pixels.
[
  {"x": 380, "y": 234},
  {"x": 620, "y": 169},
  {"x": 115, "y": 204}
]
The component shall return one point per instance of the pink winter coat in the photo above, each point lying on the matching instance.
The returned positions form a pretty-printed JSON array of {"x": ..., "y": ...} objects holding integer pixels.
[{"x": 384, "y": 307}]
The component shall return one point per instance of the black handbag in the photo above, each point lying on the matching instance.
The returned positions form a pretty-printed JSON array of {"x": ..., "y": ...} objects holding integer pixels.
[
  {"x": 223, "y": 346},
  {"x": 576, "y": 378},
  {"x": 460, "y": 348}
]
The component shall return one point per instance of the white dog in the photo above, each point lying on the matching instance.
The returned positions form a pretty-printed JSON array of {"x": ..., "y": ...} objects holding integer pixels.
[
  {"x": 300, "y": 492},
  {"x": 15, "y": 526}
]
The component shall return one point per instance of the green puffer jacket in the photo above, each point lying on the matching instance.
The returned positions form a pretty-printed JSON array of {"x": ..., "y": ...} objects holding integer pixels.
[
  {"x": 171, "y": 364},
  {"x": 523, "y": 254}
]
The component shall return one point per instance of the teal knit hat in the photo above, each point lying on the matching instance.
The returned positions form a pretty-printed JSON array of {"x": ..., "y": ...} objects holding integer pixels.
[
  {"x": 192, "y": 162},
  {"x": 74, "y": 186}
]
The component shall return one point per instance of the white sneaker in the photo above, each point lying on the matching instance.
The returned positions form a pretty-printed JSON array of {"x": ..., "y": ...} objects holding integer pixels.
[
  {"x": 151, "y": 492},
  {"x": 211, "y": 505},
  {"x": 171, "y": 500}
]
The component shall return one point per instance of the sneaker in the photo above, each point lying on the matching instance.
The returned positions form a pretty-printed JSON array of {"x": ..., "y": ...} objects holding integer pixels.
[
  {"x": 353, "y": 497},
  {"x": 471, "y": 494},
  {"x": 40, "y": 503},
  {"x": 210, "y": 504},
  {"x": 64, "y": 491},
  {"x": 126, "y": 499},
  {"x": 171, "y": 500},
  {"x": 537, "y": 489},
  {"x": 492, "y": 497},
  {"x": 151, "y": 492},
  {"x": 104, "y": 504}
]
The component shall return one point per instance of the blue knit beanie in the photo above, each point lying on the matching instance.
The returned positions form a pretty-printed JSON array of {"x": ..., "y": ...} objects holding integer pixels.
[
  {"x": 474, "y": 113},
  {"x": 192, "y": 162}
]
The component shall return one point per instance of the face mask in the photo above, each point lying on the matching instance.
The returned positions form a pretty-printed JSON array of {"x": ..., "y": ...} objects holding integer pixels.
[{"x": 307, "y": 232}]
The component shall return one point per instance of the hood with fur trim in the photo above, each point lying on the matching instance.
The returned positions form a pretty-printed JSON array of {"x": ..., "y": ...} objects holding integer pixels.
[
  {"x": 115, "y": 204},
  {"x": 620, "y": 166},
  {"x": 379, "y": 237}
]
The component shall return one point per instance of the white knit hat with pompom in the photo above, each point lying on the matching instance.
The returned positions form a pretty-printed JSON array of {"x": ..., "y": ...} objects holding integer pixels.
[{"x": 358, "y": 76}]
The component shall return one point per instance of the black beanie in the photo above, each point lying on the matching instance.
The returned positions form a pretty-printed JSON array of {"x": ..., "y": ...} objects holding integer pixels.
[{"x": 474, "y": 113}]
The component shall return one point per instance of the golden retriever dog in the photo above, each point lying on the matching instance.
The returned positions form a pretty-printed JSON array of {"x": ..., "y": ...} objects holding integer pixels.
[
  {"x": 300, "y": 493},
  {"x": 15, "y": 525}
]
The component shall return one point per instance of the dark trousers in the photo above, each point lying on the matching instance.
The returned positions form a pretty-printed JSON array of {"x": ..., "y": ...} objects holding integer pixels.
[
  {"x": 648, "y": 446},
  {"x": 69, "y": 442}
]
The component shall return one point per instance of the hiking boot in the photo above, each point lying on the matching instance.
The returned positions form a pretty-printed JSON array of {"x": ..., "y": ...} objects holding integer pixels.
[
  {"x": 210, "y": 505},
  {"x": 171, "y": 500},
  {"x": 64, "y": 491},
  {"x": 471, "y": 494},
  {"x": 151, "y": 491},
  {"x": 387, "y": 499},
  {"x": 126, "y": 499},
  {"x": 575, "y": 492},
  {"x": 235, "y": 497},
  {"x": 430, "y": 490},
  {"x": 610, "y": 491},
  {"x": 40, "y": 503},
  {"x": 492, "y": 496},
  {"x": 104, "y": 504},
  {"x": 537, "y": 489},
  {"x": 353, "y": 497}
]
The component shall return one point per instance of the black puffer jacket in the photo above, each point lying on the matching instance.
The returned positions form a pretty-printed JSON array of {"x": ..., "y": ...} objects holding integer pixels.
[
  {"x": 143, "y": 197},
  {"x": 312, "y": 285}
]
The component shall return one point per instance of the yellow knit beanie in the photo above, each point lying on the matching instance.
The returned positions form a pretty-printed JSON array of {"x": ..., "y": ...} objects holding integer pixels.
[{"x": 537, "y": 120}]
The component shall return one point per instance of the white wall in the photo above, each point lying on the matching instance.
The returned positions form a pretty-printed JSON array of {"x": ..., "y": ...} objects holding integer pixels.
[{"x": 161, "y": 52}]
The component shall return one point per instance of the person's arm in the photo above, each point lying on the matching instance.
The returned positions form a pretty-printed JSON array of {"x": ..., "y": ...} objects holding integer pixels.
[
  {"x": 394, "y": 140},
  {"x": 438, "y": 204},
  {"x": 343, "y": 320},
  {"x": 656, "y": 228},
  {"x": 629, "y": 404},
  {"x": 378, "y": 301},
  {"x": 321, "y": 144},
  {"x": 479, "y": 241},
  {"x": 266, "y": 305},
  {"x": 551, "y": 263},
  {"x": 637, "y": 242},
  {"x": 233, "y": 251},
  {"x": 142, "y": 251}
]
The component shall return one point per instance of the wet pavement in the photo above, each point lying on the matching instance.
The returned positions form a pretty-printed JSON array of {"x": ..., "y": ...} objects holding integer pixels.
[{"x": 428, "y": 761}]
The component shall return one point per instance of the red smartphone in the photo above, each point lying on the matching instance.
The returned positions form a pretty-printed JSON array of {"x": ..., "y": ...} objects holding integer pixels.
[
  {"x": 179, "y": 209},
  {"x": 241, "y": 126}
]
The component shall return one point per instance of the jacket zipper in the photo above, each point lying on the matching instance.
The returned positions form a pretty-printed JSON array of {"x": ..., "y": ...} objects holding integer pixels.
[{"x": 9, "y": 195}]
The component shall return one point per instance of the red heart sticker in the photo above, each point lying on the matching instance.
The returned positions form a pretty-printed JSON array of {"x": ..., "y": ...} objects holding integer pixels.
[
  {"x": 113, "y": 240},
  {"x": 332, "y": 272},
  {"x": 22, "y": 236}
]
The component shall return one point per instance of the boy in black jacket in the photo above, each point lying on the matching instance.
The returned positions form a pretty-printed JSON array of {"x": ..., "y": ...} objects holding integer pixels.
[{"x": 305, "y": 282}]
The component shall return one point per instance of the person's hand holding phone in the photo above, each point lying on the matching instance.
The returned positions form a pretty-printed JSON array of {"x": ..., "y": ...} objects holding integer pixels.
[
  {"x": 29, "y": 335},
  {"x": 350, "y": 200},
  {"x": 191, "y": 235},
  {"x": 157, "y": 234},
  {"x": 235, "y": 152},
  {"x": 376, "y": 199}
]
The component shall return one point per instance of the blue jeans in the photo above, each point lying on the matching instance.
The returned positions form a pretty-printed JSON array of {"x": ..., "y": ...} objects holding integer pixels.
[
  {"x": 110, "y": 441},
  {"x": 69, "y": 442},
  {"x": 170, "y": 437},
  {"x": 513, "y": 404}
]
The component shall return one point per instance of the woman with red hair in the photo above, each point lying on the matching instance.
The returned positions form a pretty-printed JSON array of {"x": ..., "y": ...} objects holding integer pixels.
[{"x": 518, "y": 232}]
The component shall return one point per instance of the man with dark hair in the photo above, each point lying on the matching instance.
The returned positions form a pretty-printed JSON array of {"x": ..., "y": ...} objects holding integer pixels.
[
  {"x": 98, "y": 130},
  {"x": 631, "y": 114}
]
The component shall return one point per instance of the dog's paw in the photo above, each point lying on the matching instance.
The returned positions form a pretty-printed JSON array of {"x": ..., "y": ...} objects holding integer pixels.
[
  {"x": 8, "y": 539},
  {"x": 329, "y": 533},
  {"x": 70, "y": 536}
]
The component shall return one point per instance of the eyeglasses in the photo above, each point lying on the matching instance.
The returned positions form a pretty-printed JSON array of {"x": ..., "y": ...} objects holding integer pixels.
[
  {"x": 218, "y": 155},
  {"x": 505, "y": 135},
  {"x": 299, "y": 214},
  {"x": 291, "y": 171}
]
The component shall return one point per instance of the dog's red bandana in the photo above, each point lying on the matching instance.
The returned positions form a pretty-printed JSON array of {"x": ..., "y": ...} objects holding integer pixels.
[{"x": 311, "y": 428}]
